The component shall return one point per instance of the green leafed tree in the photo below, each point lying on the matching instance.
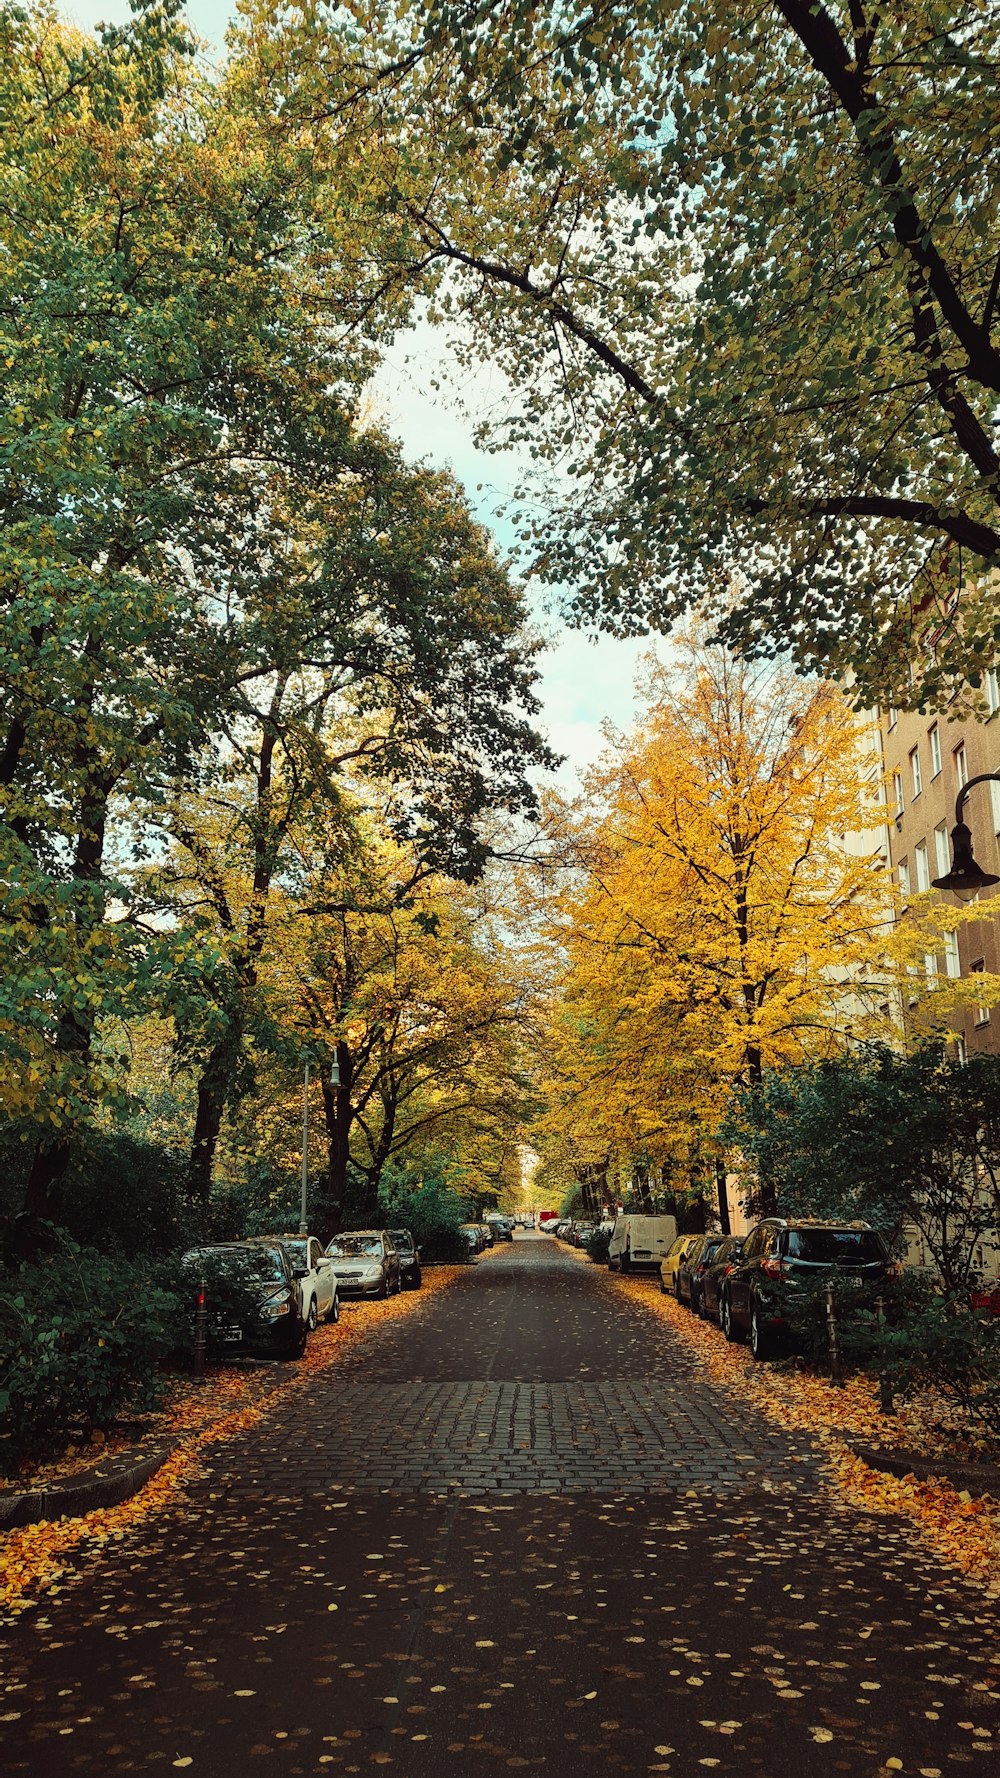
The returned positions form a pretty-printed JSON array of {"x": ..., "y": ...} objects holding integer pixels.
[{"x": 742, "y": 264}]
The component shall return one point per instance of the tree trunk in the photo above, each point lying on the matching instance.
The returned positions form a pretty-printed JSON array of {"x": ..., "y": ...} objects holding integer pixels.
[
  {"x": 723, "y": 1197},
  {"x": 337, "y": 1116},
  {"x": 214, "y": 1088}
]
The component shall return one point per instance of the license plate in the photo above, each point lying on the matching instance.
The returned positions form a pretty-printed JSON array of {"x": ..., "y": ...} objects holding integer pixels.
[{"x": 231, "y": 1334}]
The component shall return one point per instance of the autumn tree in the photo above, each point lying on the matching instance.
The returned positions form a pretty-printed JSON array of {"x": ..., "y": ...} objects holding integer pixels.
[{"x": 719, "y": 919}]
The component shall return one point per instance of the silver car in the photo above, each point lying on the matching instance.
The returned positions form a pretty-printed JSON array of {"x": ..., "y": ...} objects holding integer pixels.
[{"x": 366, "y": 1263}]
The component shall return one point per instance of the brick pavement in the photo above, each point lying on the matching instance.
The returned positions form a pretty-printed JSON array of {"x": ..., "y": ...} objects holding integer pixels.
[{"x": 658, "y": 1424}]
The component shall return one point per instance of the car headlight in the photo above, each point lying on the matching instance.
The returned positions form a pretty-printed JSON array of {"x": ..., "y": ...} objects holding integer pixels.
[
  {"x": 275, "y": 1306},
  {"x": 372, "y": 1272}
]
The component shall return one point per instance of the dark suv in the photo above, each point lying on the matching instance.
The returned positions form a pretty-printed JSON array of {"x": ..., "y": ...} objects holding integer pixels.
[{"x": 778, "y": 1253}]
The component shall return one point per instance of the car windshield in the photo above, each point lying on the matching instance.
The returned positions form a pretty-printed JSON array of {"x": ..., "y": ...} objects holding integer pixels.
[
  {"x": 257, "y": 1265},
  {"x": 709, "y": 1251},
  {"x": 356, "y": 1247},
  {"x": 834, "y": 1247},
  {"x": 299, "y": 1252},
  {"x": 402, "y": 1240}
]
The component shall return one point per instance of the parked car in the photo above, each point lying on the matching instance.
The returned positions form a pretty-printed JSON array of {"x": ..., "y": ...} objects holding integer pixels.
[
  {"x": 474, "y": 1235},
  {"x": 501, "y": 1226},
  {"x": 366, "y": 1263},
  {"x": 640, "y": 1242},
  {"x": 692, "y": 1268},
  {"x": 318, "y": 1296},
  {"x": 489, "y": 1238},
  {"x": 580, "y": 1229},
  {"x": 779, "y": 1253},
  {"x": 719, "y": 1267},
  {"x": 671, "y": 1260},
  {"x": 409, "y": 1258},
  {"x": 252, "y": 1298}
]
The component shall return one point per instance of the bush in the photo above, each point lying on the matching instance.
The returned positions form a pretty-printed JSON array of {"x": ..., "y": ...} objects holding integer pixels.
[
  {"x": 597, "y": 1243},
  {"x": 943, "y": 1343},
  {"x": 432, "y": 1213},
  {"x": 82, "y": 1339}
]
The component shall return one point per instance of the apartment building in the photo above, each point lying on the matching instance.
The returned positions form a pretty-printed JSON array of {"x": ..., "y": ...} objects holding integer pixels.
[{"x": 927, "y": 759}]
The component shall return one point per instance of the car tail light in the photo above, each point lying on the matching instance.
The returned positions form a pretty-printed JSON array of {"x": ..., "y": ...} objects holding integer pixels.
[{"x": 772, "y": 1266}]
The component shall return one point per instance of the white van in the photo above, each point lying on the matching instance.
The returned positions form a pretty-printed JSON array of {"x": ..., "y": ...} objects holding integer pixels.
[{"x": 640, "y": 1242}]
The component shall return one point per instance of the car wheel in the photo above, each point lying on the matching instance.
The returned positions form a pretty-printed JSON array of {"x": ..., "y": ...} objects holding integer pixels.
[
  {"x": 418, "y": 1279},
  {"x": 383, "y": 1293},
  {"x": 761, "y": 1337},
  {"x": 726, "y": 1322},
  {"x": 663, "y": 1288},
  {"x": 334, "y": 1314},
  {"x": 623, "y": 1265},
  {"x": 312, "y": 1319},
  {"x": 399, "y": 1284}
]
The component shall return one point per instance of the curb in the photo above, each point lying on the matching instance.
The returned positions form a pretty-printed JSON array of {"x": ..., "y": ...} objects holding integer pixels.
[
  {"x": 104, "y": 1485},
  {"x": 976, "y": 1478}
]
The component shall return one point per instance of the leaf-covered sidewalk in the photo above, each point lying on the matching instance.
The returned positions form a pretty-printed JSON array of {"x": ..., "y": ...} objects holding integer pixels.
[
  {"x": 961, "y": 1530},
  {"x": 33, "y": 1559}
]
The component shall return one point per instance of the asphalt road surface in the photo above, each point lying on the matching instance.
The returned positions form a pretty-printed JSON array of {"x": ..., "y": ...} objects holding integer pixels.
[{"x": 518, "y": 1530}]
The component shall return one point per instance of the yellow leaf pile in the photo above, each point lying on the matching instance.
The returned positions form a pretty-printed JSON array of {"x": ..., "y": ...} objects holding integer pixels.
[{"x": 963, "y": 1531}]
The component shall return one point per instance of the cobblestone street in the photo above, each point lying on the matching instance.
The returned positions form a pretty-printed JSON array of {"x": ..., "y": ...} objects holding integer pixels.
[{"x": 517, "y": 1530}]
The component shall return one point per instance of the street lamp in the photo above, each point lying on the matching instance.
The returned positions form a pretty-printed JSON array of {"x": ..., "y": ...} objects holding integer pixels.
[
  {"x": 303, "y": 1201},
  {"x": 965, "y": 877}
]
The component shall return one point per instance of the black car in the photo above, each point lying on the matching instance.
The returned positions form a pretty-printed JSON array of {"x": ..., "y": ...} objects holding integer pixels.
[
  {"x": 366, "y": 1263},
  {"x": 251, "y": 1298},
  {"x": 719, "y": 1267},
  {"x": 778, "y": 1253},
  {"x": 409, "y": 1258},
  {"x": 691, "y": 1271}
]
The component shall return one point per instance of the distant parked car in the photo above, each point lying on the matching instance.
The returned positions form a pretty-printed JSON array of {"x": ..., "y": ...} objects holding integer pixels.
[
  {"x": 691, "y": 1271},
  {"x": 501, "y": 1226},
  {"x": 366, "y": 1263},
  {"x": 671, "y": 1261},
  {"x": 779, "y": 1253},
  {"x": 252, "y": 1298},
  {"x": 474, "y": 1235},
  {"x": 578, "y": 1230},
  {"x": 718, "y": 1269},
  {"x": 316, "y": 1278},
  {"x": 409, "y": 1258}
]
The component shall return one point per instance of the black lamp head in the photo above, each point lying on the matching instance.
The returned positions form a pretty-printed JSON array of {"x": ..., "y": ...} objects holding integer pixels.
[{"x": 965, "y": 877}]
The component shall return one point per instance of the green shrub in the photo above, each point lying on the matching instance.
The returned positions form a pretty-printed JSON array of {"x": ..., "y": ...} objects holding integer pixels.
[
  {"x": 432, "y": 1213},
  {"x": 944, "y": 1344},
  {"x": 596, "y": 1244},
  {"x": 82, "y": 1340}
]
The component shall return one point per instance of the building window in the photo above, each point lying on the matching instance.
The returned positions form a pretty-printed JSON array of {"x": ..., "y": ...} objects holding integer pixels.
[
  {"x": 952, "y": 966},
  {"x": 893, "y": 713},
  {"x": 915, "y": 772},
  {"x": 931, "y": 969},
  {"x": 982, "y": 1013},
  {"x": 897, "y": 793},
  {"x": 942, "y": 853},
  {"x": 934, "y": 736},
  {"x": 961, "y": 765},
  {"x": 921, "y": 866},
  {"x": 995, "y": 804},
  {"x": 992, "y": 690},
  {"x": 903, "y": 872},
  {"x": 961, "y": 1053}
]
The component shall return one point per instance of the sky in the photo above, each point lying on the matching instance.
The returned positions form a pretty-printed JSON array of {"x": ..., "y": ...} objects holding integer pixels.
[{"x": 586, "y": 679}]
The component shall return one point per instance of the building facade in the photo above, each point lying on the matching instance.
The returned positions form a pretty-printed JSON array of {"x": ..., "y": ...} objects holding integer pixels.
[{"x": 926, "y": 760}]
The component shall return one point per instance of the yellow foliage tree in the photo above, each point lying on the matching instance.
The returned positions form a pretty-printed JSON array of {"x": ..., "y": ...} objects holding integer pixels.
[{"x": 728, "y": 908}]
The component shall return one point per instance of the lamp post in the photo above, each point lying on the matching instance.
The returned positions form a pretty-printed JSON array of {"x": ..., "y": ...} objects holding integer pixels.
[
  {"x": 303, "y": 1200},
  {"x": 965, "y": 877}
]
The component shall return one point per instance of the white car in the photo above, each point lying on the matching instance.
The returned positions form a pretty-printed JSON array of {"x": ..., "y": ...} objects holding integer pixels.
[{"x": 316, "y": 1279}]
